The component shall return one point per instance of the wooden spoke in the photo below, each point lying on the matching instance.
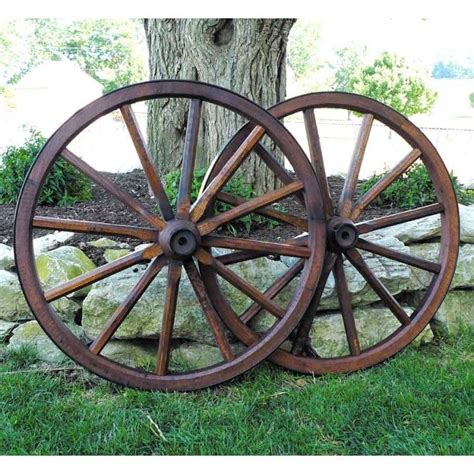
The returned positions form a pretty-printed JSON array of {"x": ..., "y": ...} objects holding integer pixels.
[
  {"x": 406, "y": 216},
  {"x": 274, "y": 290},
  {"x": 306, "y": 323},
  {"x": 384, "y": 183},
  {"x": 199, "y": 207},
  {"x": 207, "y": 259},
  {"x": 255, "y": 245},
  {"x": 249, "y": 206},
  {"x": 266, "y": 211},
  {"x": 345, "y": 201},
  {"x": 358, "y": 262},
  {"x": 101, "y": 180},
  {"x": 242, "y": 256},
  {"x": 278, "y": 169},
  {"x": 88, "y": 227},
  {"x": 127, "y": 305},
  {"x": 102, "y": 272},
  {"x": 345, "y": 303},
  {"x": 147, "y": 162},
  {"x": 169, "y": 311},
  {"x": 432, "y": 267},
  {"x": 208, "y": 309},
  {"x": 316, "y": 157},
  {"x": 189, "y": 158}
]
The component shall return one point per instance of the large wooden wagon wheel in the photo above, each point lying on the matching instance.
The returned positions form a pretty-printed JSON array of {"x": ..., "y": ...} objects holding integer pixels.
[
  {"x": 177, "y": 239},
  {"x": 348, "y": 235}
]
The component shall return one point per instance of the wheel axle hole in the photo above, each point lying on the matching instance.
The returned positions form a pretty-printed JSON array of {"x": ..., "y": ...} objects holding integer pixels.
[
  {"x": 182, "y": 241},
  {"x": 345, "y": 235}
]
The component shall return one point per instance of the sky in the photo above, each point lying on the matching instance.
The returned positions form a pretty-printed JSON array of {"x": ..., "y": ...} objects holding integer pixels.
[{"x": 422, "y": 39}]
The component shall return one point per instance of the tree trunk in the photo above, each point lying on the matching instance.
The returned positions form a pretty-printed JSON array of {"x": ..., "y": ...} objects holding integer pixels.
[{"x": 246, "y": 56}]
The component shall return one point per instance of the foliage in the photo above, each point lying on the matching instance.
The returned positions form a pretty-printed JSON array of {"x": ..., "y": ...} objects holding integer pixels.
[
  {"x": 303, "y": 53},
  {"x": 413, "y": 189},
  {"x": 388, "y": 79},
  {"x": 236, "y": 186},
  {"x": 64, "y": 185},
  {"x": 471, "y": 99},
  {"x": 107, "y": 49},
  {"x": 418, "y": 403},
  {"x": 348, "y": 68}
]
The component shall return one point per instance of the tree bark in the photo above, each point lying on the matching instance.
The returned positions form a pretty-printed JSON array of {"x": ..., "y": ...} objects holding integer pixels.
[{"x": 244, "y": 55}]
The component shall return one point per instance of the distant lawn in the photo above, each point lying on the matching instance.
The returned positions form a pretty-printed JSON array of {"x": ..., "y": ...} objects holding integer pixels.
[{"x": 420, "y": 402}]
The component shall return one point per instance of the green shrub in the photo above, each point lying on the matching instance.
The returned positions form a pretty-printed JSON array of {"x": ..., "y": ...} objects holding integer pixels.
[
  {"x": 236, "y": 186},
  {"x": 413, "y": 189},
  {"x": 63, "y": 186}
]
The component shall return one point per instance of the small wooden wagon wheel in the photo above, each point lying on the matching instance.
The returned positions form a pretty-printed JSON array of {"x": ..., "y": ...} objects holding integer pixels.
[
  {"x": 346, "y": 238},
  {"x": 176, "y": 239}
]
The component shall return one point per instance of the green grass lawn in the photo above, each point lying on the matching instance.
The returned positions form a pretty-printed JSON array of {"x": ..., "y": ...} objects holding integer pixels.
[{"x": 420, "y": 402}]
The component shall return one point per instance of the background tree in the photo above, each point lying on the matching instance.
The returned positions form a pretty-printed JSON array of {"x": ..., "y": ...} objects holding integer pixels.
[
  {"x": 305, "y": 59},
  {"x": 246, "y": 56},
  {"x": 348, "y": 65},
  {"x": 107, "y": 49},
  {"x": 471, "y": 99},
  {"x": 390, "y": 80}
]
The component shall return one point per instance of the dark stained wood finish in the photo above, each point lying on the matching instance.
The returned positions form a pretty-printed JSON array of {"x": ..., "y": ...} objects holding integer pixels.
[
  {"x": 266, "y": 211},
  {"x": 127, "y": 305},
  {"x": 273, "y": 248},
  {"x": 207, "y": 259},
  {"x": 87, "y": 227},
  {"x": 384, "y": 183},
  {"x": 209, "y": 310},
  {"x": 422, "y": 263},
  {"x": 102, "y": 272},
  {"x": 260, "y": 122},
  {"x": 316, "y": 157},
  {"x": 280, "y": 171},
  {"x": 244, "y": 255},
  {"x": 279, "y": 284},
  {"x": 345, "y": 202},
  {"x": 304, "y": 328},
  {"x": 104, "y": 182},
  {"x": 189, "y": 158},
  {"x": 356, "y": 259},
  {"x": 345, "y": 303},
  {"x": 399, "y": 218},
  {"x": 147, "y": 161},
  {"x": 169, "y": 311},
  {"x": 204, "y": 200},
  {"x": 248, "y": 207},
  {"x": 302, "y": 359}
]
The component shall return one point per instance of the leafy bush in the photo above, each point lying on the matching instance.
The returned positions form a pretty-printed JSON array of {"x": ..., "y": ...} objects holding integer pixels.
[
  {"x": 236, "y": 186},
  {"x": 413, "y": 189},
  {"x": 64, "y": 185}
]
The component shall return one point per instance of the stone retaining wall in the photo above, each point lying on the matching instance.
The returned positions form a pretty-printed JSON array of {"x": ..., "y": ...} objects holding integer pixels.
[{"x": 87, "y": 310}]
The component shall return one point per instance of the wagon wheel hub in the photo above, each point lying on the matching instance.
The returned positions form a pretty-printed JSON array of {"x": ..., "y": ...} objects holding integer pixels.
[
  {"x": 179, "y": 239},
  {"x": 342, "y": 233}
]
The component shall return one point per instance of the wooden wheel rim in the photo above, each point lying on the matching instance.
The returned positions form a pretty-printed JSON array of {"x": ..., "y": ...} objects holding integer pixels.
[
  {"x": 25, "y": 259},
  {"x": 449, "y": 243}
]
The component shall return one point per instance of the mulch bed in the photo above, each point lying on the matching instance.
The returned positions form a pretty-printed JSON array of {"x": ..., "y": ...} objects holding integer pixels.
[{"x": 104, "y": 208}]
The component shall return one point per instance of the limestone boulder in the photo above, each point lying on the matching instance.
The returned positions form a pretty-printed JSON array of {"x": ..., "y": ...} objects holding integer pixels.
[
  {"x": 7, "y": 259},
  {"x": 464, "y": 274},
  {"x": 51, "y": 241},
  {"x": 6, "y": 328},
  {"x": 30, "y": 334},
  {"x": 328, "y": 336},
  {"x": 62, "y": 264},
  {"x": 13, "y": 306}
]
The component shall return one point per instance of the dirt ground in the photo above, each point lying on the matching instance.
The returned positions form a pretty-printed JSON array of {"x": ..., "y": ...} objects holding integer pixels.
[{"x": 104, "y": 208}]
